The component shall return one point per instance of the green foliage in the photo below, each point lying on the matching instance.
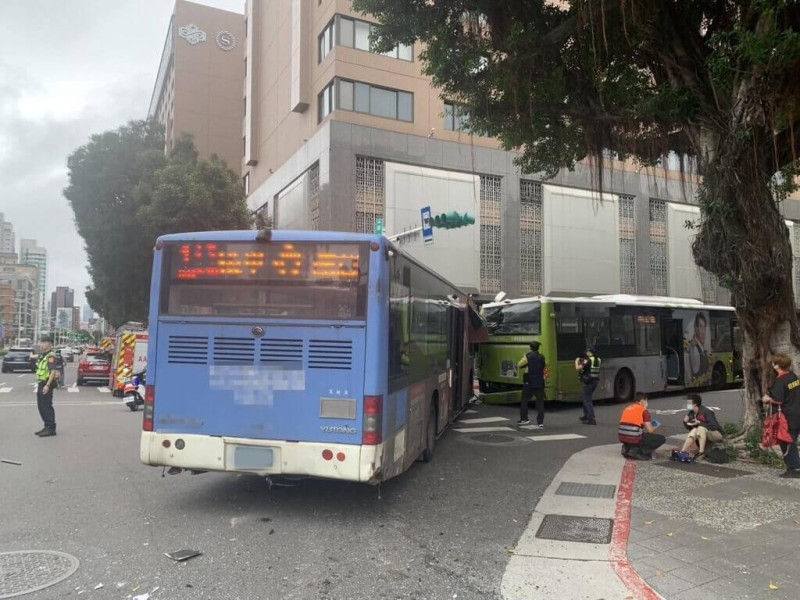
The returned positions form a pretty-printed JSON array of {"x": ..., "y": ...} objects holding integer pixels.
[
  {"x": 730, "y": 430},
  {"x": 752, "y": 443},
  {"x": 125, "y": 193}
]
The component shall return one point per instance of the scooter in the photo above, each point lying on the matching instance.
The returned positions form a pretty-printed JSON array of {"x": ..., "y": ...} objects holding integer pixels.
[{"x": 133, "y": 392}]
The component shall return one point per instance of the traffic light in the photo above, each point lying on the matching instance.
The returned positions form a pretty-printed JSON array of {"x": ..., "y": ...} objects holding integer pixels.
[{"x": 453, "y": 220}]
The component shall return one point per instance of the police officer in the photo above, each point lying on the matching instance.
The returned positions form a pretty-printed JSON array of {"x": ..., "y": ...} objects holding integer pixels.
[
  {"x": 46, "y": 377},
  {"x": 588, "y": 367},
  {"x": 533, "y": 384}
]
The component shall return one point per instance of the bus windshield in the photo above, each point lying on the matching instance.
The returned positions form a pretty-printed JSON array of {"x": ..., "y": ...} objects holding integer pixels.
[
  {"x": 299, "y": 280},
  {"x": 514, "y": 319}
]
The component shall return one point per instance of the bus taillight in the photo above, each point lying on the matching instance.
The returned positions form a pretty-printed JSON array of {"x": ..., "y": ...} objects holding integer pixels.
[
  {"x": 149, "y": 407},
  {"x": 371, "y": 434}
]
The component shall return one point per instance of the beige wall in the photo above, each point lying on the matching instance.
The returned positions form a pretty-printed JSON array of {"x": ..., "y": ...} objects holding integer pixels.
[{"x": 203, "y": 90}]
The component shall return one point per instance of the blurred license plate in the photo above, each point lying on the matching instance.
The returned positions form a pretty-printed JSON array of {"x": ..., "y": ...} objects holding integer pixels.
[{"x": 252, "y": 457}]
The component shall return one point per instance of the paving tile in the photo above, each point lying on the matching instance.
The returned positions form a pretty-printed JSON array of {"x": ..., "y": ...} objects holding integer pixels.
[
  {"x": 665, "y": 562},
  {"x": 697, "y": 593},
  {"x": 762, "y": 552},
  {"x": 662, "y": 543},
  {"x": 636, "y": 552},
  {"x": 644, "y": 570},
  {"x": 695, "y": 574},
  {"x": 668, "y": 584},
  {"x": 637, "y": 535}
]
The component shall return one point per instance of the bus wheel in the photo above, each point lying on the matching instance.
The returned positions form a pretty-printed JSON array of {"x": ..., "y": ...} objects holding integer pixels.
[
  {"x": 718, "y": 377},
  {"x": 624, "y": 386},
  {"x": 430, "y": 435}
]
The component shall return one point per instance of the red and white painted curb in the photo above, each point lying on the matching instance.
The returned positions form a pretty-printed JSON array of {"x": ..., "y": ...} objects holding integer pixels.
[{"x": 618, "y": 553}]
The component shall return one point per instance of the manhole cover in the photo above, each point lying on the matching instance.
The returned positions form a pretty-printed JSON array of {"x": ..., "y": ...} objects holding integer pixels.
[
  {"x": 32, "y": 570},
  {"x": 564, "y": 528},
  {"x": 492, "y": 438},
  {"x": 585, "y": 490}
]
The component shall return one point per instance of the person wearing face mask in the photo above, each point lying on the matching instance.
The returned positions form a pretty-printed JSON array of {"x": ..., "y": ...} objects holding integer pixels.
[
  {"x": 703, "y": 426},
  {"x": 785, "y": 393},
  {"x": 637, "y": 430}
]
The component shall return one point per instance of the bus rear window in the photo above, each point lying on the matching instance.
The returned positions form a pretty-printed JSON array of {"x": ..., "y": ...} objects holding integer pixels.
[
  {"x": 514, "y": 319},
  {"x": 298, "y": 280}
]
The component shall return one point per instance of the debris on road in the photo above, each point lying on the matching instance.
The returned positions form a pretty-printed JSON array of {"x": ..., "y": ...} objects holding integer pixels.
[
  {"x": 182, "y": 555},
  {"x": 99, "y": 586},
  {"x": 142, "y": 597},
  {"x": 8, "y": 461}
]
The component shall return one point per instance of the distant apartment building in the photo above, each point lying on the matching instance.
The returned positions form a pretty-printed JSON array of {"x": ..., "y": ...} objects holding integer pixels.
[
  {"x": 337, "y": 137},
  {"x": 7, "y": 297},
  {"x": 7, "y": 243},
  {"x": 76, "y": 318},
  {"x": 63, "y": 299},
  {"x": 198, "y": 88},
  {"x": 30, "y": 253},
  {"x": 22, "y": 279}
]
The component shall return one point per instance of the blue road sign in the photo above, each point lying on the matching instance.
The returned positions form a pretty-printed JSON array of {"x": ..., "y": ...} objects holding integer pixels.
[{"x": 427, "y": 226}]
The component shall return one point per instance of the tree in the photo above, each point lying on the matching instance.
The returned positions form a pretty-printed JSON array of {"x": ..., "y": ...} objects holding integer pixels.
[
  {"x": 713, "y": 81},
  {"x": 125, "y": 193}
]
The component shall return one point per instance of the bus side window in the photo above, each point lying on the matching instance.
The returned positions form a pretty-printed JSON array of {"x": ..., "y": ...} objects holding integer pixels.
[{"x": 721, "y": 333}]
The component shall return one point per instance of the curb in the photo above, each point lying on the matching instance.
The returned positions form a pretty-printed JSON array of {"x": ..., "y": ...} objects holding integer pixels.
[{"x": 618, "y": 553}]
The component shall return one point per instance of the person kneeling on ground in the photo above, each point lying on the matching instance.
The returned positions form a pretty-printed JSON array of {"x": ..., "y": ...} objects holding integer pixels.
[
  {"x": 637, "y": 430},
  {"x": 703, "y": 425}
]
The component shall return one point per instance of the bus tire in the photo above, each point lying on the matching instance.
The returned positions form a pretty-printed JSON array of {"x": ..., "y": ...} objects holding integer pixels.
[
  {"x": 430, "y": 434},
  {"x": 624, "y": 386},
  {"x": 719, "y": 377}
]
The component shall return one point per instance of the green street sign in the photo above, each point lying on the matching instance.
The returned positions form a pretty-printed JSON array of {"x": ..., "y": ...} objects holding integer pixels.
[{"x": 453, "y": 220}]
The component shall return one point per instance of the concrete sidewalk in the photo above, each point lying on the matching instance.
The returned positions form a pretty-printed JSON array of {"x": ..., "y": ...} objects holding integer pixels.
[
  {"x": 607, "y": 528},
  {"x": 703, "y": 531}
]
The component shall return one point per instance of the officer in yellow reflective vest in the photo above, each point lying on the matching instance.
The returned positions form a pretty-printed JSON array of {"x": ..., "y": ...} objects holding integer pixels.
[
  {"x": 588, "y": 367},
  {"x": 46, "y": 375}
]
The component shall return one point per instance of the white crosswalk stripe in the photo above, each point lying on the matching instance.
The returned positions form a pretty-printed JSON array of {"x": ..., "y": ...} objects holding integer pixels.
[
  {"x": 482, "y": 429},
  {"x": 554, "y": 438},
  {"x": 104, "y": 390},
  {"x": 483, "y": 420},
  {"x": 73, "y": 389},
  {"x": 5, "y": 390}
]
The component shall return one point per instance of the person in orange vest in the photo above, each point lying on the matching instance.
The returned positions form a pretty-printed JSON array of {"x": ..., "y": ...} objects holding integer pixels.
[{"x": 637, "y": 430}]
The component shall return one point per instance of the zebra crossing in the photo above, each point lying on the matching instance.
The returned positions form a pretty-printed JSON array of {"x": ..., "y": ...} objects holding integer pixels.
[
  {"x": 504, "y": 425},
  {"x": 8, "y": 388}
]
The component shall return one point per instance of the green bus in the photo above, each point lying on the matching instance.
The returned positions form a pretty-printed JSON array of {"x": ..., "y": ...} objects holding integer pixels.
[{"x": 646, "y": 343}]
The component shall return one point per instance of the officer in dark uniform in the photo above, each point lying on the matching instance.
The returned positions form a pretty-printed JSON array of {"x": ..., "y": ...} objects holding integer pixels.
[
  {"x": 588, "y": 367},
  {"x": 46, "y": 377},
  {"x": 533, "y": 384},
  {"x": 785, "y": 392}
]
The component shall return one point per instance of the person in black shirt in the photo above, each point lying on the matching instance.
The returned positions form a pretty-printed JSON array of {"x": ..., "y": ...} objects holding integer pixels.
[
  {"x": 702, "y": 424},
  {"x": 533, "y": 385},
  {"x": 785, "y": 392}
]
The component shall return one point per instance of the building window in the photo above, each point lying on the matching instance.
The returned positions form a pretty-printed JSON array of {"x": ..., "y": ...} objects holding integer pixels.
[
  {"x": 326, "y": 40},
  {"x": 325, "y": 102},
  {"x": 490, "y": 234},
  {"x": 313, "y": 180},
  {"x": 245, "y": 67},
  {"x": 659, "y": 266},
  {"x": 369, "y": 193},
  {"x": 244, "y": 145},
  {"x": 708, "y": 286},
  {"x": 456, "y": 117},
  {"x": 374, "y": 100},
  {"x": 246, "y": 184},
  {"x": 355, "y": 33},
  {"x": 244, "y": 101},
  {"x": 531, "y": 240},
  {"x": 627, "y": 245}
]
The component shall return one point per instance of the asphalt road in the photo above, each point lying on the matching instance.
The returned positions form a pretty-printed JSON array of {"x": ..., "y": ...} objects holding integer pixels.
[{"x": 441, "y": 530}]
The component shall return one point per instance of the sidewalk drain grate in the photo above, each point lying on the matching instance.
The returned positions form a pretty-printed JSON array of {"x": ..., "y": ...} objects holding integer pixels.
[
  {"x": 585, "y": 490},
  {"x": 29, "y": 571},
  {"x": 564, "y": 528}
]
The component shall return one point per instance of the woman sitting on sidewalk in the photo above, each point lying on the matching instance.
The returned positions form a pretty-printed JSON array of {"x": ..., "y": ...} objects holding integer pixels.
[{"x": 703, "y": 425}]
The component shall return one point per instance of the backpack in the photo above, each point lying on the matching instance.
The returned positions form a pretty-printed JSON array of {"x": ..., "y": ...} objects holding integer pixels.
[{"x": 718, "y": 456}]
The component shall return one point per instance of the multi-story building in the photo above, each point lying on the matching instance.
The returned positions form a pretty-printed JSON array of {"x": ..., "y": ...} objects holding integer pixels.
[
  {"x": 32, "y": 254},
  {"x": 23, "y": 279},
  {"x": 339, "y": 137},
  {"x": 7, "y": 297},
  {"x": 7, "y": 243},
  {"x": 76, "y": 318},
  {"x": 62, "y": 298},
  {"x": 199, "y": 82}
]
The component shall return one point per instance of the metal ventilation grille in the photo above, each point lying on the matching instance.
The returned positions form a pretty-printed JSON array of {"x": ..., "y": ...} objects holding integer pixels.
[
  {"x": 187, "y": 350},
  {"x": 491, "y": 235},
  {"x": 330, "y": 354},
  {"x": 281, "y": 351},
  {"x": 627, "y": 244},
  {"x": 234, "y": 350},
  {"x": 530, "y": 235},
  {"x": 659, "y": 253}
]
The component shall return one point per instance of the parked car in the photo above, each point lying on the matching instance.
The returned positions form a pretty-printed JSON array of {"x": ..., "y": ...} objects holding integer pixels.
[
  {"x": 68, "y": 354},
  {"x": 95, "y": 367},
  {"x": 19, "y": 359}
]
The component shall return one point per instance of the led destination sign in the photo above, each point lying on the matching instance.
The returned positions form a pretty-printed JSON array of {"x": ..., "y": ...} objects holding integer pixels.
[{"x": 286, "y": 261}]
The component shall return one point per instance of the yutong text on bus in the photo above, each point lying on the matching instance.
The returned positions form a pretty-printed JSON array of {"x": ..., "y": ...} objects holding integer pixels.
[{"x": 316, "y": 354}]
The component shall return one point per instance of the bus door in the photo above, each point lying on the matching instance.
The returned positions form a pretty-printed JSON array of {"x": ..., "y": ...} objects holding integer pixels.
[
  {"x": 455, "y": 353},
  {"x": 672, "y": 349}
]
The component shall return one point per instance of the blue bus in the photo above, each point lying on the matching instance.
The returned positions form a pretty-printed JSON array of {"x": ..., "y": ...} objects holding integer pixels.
[{"x": 319, "y": 354}]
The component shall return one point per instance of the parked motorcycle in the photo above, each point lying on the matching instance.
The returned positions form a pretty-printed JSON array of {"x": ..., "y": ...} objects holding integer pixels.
[{"x": 133, "y": 392}]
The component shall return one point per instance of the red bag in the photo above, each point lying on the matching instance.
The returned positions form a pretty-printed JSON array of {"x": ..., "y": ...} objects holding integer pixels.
[{"x": 776, "y": 430}]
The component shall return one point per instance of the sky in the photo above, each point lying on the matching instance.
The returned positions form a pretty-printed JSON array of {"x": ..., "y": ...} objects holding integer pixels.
[{"x": 68, "y": 69}]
